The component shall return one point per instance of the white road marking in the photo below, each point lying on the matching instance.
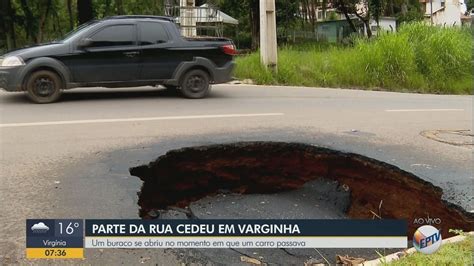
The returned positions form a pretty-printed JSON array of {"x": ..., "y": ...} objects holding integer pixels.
[
  {"x": 138, "y": 119},
  {"x": 424, "y": 110}
]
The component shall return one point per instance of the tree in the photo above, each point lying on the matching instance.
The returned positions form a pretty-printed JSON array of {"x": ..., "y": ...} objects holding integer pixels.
[
  {"x": 346, "y": 7},
  {"x": 44, "y": 16},
  {"x": 119, "y": 5},
  {"x": 107, "y": 8},
  {"x": 247, "y": 12},
  {"x": 30, "y": 23},
  {"x": 469, "y": 5},
  {"x": 254, "y": 17},
  {"x": 308, "y": 11},
  {"x": 376, "y": 9},
  {"x": 70, "y": 16},
  {"x": 361, "y": 9},
  {"x": 85, "y": 11},
  {"x": 409, "y": 10},
  {"x": 287, "y": 14},
  {"x": 7, "y": 24}
]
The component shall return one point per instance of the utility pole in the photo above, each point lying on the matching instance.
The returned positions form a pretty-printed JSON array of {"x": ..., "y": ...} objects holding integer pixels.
[
  {"x": 187, "y": 17},
  {"x": 268, "y": 38},
  {"x": 431, "y": 12}
]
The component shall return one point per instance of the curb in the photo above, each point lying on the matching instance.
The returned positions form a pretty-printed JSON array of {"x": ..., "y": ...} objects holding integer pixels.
[{"x": 401, "y": 254}]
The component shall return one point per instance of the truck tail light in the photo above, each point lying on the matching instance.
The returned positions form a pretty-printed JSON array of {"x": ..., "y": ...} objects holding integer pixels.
[{"x": 229, "y": 49}]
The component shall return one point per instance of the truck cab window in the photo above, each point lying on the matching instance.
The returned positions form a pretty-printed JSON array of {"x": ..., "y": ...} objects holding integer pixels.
[
  {"x": 152, "y": 33},
  {"x": 119, "y": 35}
]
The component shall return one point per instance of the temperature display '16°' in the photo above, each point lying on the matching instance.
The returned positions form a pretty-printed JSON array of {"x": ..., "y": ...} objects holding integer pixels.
[{"x": 68, "y": 228}]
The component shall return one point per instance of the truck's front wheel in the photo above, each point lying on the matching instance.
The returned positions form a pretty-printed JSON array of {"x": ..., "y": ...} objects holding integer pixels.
[
  {"x": 195, "y": 84},
  {"x": 43, "y": 86}
]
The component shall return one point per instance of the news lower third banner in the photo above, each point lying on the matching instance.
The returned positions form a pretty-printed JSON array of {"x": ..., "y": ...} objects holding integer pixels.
[{"x": 67, "y": 238}]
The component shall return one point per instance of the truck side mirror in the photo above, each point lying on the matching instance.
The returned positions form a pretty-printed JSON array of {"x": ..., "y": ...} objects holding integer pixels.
[{"x": 84, "y": 42}]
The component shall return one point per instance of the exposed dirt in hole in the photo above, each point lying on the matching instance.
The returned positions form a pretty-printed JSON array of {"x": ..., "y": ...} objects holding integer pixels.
[{"x": 189, "y": 174}]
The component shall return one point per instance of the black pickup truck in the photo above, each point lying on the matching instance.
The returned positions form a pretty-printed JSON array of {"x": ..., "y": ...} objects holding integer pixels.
[{"x": 119, "y": 51}]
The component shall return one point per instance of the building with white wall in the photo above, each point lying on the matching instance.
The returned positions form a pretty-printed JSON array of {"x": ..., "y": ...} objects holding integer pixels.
[{"x": 444, "y": 12}]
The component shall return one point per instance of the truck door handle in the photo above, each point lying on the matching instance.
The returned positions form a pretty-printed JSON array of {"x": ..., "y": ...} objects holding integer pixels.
[{"x": 131, "y": 54}]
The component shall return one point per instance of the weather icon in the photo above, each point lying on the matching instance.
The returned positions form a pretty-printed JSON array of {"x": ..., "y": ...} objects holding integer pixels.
[{"x": 39, "y": 228}]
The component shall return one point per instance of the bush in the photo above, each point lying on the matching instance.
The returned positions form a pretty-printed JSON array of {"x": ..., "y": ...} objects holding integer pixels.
[{"x": 418, "y": 58}]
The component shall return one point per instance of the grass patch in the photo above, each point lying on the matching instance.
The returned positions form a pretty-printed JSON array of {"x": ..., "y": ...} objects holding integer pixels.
[
  {"x": 450, "y": 254},
  {"x": 418, "y": 58}
]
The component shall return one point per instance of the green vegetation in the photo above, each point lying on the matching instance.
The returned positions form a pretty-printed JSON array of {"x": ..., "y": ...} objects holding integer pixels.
[
  {"x": 418, "y": 58},
  {"x": 450, "y": 254}
]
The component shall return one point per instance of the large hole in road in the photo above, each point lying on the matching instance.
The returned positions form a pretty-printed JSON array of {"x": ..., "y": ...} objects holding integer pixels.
[{"x": 183, "y": 176}]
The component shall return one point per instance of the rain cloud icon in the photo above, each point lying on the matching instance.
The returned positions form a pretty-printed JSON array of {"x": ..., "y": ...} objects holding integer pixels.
[{"x": 39, "y": 228}]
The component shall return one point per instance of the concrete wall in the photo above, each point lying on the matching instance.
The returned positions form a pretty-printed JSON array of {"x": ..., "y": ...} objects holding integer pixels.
[{"x": 385, "y": 24}]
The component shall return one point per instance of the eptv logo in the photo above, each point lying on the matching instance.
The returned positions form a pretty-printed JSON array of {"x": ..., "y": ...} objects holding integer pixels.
[{"x": 427, "y": 239}]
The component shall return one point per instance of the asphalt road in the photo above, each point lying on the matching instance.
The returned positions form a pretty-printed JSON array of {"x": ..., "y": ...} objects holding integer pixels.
[{"x": 70, "y": 159}]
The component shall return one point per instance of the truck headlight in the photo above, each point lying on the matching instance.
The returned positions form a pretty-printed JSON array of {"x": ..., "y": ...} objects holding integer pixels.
[{"x": 11, "y": 61}]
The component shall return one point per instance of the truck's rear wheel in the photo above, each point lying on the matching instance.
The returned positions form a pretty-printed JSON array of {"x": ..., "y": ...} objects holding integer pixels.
[
  {"x": 43, "y": 86},
  {"x": 195, "y": 84}
]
